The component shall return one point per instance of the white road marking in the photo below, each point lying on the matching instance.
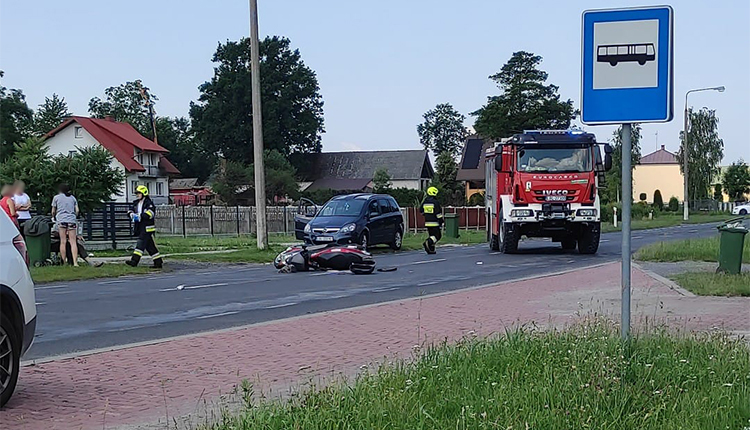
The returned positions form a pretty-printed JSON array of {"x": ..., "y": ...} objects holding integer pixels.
[
  {"x": 119, "y": 281},
  {"x": 383, "y": 290},
  {"x": 40, "y": 303},
  {"x": 195, "y": 287},
  {"x": 281, "y": 305},
  {"x": 604, "y": 240},
  {"x": 424, "y": 284},
  {"x": 218, "y": 315},
  {"x": 50, "y": 287},
  {"x": 437, "y": 260}
]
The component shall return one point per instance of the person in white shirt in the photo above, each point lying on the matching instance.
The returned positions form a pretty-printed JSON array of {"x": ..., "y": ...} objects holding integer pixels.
[{"x": 22, "y": 201}]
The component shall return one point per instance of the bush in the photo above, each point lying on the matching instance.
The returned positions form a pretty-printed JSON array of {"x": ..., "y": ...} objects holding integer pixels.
[
  {"x": 674, "y": 204},
  {"x": 640, "y": 210},
  {"x": 476, "y": 199},
  {"x": 658, "y": 201}
]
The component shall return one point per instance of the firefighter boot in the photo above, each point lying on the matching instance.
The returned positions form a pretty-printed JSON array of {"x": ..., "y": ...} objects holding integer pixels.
[
  {"x": 429, "y": 245},
  {"x": 158, "y": 263},
  {"x": 426, "y": 246},
  {"x": 134, "y": 259}
]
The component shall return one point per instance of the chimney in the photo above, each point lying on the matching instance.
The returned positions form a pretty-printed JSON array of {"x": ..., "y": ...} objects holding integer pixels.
[
  {"x": 109, "y": 118},
  {"x": 662, "y": 148}
]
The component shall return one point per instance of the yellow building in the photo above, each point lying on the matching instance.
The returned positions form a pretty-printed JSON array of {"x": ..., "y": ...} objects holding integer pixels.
[{"x": 658, "y": 171}]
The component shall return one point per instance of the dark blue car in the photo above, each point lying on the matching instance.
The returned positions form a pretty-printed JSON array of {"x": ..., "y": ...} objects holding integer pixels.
[{"x": 365, "y": 219}]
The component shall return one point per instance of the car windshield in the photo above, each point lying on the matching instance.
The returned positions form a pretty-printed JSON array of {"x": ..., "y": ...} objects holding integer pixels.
[
  {"x": 348, "y": 207},
  {"x": 554, "y": 159}
]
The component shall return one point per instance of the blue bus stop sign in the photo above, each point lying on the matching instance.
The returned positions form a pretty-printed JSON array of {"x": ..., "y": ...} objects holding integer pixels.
[{"x": 627, "y": 65}]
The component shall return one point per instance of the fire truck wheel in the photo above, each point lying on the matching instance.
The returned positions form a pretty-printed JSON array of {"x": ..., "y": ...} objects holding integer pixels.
[
  {"x": 508, "y": 239},
  {"x": 494, "y": 244},
  {"x": 569, "y": 244},
  {"x": 588, "y": 241}
]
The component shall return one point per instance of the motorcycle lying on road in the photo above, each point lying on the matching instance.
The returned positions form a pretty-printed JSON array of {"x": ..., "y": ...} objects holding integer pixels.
[{"x": 304, "y": 258}]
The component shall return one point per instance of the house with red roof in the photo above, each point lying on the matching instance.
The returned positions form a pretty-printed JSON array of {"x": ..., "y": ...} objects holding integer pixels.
[{"x": 143, "y": 161}]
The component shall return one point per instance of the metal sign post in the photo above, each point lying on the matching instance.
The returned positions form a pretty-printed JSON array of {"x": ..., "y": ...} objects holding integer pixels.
[{"x": 626, "y": 78}]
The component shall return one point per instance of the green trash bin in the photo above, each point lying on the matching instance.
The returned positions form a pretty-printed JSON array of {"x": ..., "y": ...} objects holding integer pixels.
[
  {"x": 451, "y": 225},
  {"x": 38, "y": 236},
  {"x": 731, "y": 244}
]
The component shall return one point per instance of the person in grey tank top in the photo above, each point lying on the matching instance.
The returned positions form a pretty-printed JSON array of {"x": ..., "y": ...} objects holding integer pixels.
[{"x": 65, "y": 212}]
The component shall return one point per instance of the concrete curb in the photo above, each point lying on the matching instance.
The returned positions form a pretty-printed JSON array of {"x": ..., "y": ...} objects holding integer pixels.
[{"x": 668, "y": 282}]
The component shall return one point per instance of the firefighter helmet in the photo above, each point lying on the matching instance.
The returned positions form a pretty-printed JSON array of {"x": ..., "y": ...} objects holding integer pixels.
[
  {"x": 141, "y": 189},
  {"x": 432, "y": 191}
]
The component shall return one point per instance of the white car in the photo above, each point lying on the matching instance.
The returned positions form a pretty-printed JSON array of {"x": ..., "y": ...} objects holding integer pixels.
[
  {"x": 17, "y": 305},
  {"x": 742, "y": 209}
]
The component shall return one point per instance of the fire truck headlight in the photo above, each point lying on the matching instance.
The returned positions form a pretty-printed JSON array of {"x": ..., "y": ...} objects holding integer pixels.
[
  {"x": 586, "y": 212},
  {"x": 521, "y": 213}
]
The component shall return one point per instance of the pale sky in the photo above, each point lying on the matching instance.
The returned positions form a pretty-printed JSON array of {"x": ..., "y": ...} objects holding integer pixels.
[{"x": 380, "y": 65}]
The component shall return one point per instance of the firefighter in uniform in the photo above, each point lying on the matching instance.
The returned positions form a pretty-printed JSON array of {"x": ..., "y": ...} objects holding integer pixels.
[
  {"x": 433, "y": 219},
  {"x": 142, "y": 213}
]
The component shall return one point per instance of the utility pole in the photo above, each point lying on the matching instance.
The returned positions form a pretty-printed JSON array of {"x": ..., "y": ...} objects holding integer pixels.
[{"x": 260, "y": 175}]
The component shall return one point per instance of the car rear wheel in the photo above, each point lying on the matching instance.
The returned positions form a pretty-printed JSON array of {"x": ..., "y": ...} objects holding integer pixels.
[
  {"x": 397, "y": 240},
  {"x": 10, "y": 357},
  {"x": 743, "y": 211}
]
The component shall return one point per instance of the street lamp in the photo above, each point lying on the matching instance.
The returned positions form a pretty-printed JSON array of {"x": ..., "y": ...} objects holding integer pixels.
[{"x": 686, "y": 205}]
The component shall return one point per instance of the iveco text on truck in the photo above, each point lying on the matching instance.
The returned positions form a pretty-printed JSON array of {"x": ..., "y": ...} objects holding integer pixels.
[{"x": 545, "y": 183}]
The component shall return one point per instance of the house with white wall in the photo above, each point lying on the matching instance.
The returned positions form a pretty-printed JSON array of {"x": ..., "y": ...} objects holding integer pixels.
[{"x": 144, "y": 162}]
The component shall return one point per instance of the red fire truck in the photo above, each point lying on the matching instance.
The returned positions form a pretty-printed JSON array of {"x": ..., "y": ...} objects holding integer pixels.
[{"x": 543, "y": 183}]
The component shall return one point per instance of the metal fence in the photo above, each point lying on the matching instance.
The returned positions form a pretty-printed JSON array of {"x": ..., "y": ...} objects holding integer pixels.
[
  {"x": 711, "y": 206},
  {"x": 111, "y": 222}
]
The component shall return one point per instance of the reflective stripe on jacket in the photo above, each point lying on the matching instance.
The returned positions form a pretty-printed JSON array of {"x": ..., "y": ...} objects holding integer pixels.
[{"x": 432, "y": 211}]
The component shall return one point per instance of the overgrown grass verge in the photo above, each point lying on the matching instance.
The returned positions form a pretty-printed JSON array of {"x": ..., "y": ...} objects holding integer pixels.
[
  {"x": 48, "y": 274},
  {"x": 667, "y": 220},
  {"x": 582, "y": 378},
  {"x": 687, "y": 250},
  {"x": 715, "y": 284}
]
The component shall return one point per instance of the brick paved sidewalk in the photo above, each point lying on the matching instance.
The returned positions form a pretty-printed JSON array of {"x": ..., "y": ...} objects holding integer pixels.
[{"x": 145, "y": 384}]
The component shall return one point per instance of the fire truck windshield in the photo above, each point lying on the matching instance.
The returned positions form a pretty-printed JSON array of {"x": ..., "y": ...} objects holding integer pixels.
[{"x": 554, "y": 159}]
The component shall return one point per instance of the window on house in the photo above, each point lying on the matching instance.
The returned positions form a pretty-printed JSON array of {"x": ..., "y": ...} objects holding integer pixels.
[
  {"x": 140, "y": 158},
  {"x": 134, "y": 185},
  {"x": 79, "y": 132},
  {"x": 160, "y": 188}
]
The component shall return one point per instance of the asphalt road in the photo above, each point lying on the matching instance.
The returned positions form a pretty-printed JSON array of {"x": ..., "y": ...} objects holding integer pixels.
[{"x": 85, "y": 315}]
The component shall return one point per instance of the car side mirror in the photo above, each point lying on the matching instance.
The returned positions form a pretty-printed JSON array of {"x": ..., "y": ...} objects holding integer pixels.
[{"x": 607, "y": 157}]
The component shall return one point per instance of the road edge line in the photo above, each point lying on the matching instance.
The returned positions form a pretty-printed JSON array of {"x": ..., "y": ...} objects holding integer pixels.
[{"x": 86, "y": 353}]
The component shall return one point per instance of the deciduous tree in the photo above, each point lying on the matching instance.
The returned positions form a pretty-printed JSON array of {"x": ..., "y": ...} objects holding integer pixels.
[
  {"x": 736, "y": 180},
  {"x": 442, "y": 130},
  {"x": 614, "y": 175},
  {"x": 88, "y": 172},
  {"x": 526, "y": 101},
  {"x": 15, "y": 119},
  {"x": 705, "y": 151},
  {"x": 291, "y": 102},
  {"x": 126, "y": 103},
  {"x": 185, "y": 150},
  {"x": 381, "y": 181}
]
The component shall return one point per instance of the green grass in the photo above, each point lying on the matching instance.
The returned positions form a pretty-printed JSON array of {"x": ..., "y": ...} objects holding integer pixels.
[
  {"x": 715, "y": 284},
  {"x": 667, "y": 220},
  {"x": 246, "y": 251},
  {"x": 583, "y": 378},
  {"x": 687, "y": 250},
  {"x": 48, "y": 274}
]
